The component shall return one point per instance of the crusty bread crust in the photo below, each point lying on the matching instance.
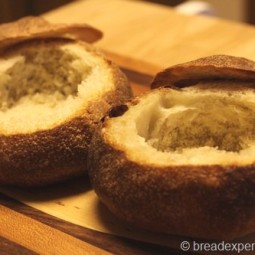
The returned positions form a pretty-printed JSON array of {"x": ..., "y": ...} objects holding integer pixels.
[
  {"x": 210, "y": 201},
  {"x": 37, "y": 27}
]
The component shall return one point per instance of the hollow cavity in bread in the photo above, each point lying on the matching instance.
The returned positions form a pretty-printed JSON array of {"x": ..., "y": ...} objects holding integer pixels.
[
  {"x": 188, "y": 126},
  {"x": 43, "y": 83}
]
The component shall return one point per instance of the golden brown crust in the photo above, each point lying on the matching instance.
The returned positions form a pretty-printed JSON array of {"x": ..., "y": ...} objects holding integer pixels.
[
  {"x": 37, "y": 27},
  {"x": 57, "y": 154},
  {"x": 207, "y": 201},
  {"x": 220, "y": 67}
]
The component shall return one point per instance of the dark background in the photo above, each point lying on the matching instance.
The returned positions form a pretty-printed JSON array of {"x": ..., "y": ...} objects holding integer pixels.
[{"x": 11, "y": 10}]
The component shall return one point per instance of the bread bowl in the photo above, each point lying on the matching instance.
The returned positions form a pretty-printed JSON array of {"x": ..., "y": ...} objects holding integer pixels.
[
  {"x": 180, "y": 158},
  {"x": 54, "y": 89}
]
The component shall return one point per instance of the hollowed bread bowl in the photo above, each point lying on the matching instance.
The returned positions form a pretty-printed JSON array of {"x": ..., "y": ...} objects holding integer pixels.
[
  {"x": 180, "y": 159},
  {"x": 54, "y": 89}
]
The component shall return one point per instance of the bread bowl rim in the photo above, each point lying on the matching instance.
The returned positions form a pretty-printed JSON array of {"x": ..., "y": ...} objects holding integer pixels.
[
  {"x": 75, "y": 125},
  {"x": 118, "y": 144}
]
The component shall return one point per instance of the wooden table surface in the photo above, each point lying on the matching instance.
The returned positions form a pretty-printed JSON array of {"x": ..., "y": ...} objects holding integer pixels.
[
  {"x": 157, "y": 34},
  {"x": 142, "y": 38}
]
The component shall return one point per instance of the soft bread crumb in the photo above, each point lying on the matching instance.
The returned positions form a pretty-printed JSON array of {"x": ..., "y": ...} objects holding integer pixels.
[
  {"x": 215, "y": 121},
  {"x": 44, "y": 84},
  {"x": 188, "y": 126}
]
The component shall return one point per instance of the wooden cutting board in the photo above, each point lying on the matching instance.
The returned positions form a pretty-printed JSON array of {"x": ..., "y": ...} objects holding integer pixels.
[{"x": 69, "y": 219}]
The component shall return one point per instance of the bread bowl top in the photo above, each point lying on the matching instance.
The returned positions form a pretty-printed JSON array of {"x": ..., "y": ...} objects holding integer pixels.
[
  {"x": 220, "y": 67},
  {"x": 37, "y": 27},
  {"x": 38, "y": 93}
]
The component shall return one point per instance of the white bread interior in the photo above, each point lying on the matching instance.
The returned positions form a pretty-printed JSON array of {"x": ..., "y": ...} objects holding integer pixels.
[
  {"x": 189, "y": 126},
  {"x": 44, "y": 84}
]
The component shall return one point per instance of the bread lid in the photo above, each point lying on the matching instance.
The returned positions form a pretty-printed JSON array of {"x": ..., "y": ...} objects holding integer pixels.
[
  {"x": 220, "y": 67},
  {"x": 36, "y": 27}
]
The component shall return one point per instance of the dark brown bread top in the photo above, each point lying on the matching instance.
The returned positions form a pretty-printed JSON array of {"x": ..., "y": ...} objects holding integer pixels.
[
  {"x": 37, "y": 27},
  {"x": 220, "y": 67}
]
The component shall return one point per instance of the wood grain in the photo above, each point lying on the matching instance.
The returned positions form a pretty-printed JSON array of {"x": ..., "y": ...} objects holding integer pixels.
[
  {"x": 12, "y": 248},
  {"x": 39, "y": 237},
  {"x": 110, "y": 243}
]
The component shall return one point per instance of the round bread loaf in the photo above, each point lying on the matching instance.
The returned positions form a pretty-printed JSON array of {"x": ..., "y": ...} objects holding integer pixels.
[
  {"x": 180, "y": 159},
  {"x": 54, "y": 89}
]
